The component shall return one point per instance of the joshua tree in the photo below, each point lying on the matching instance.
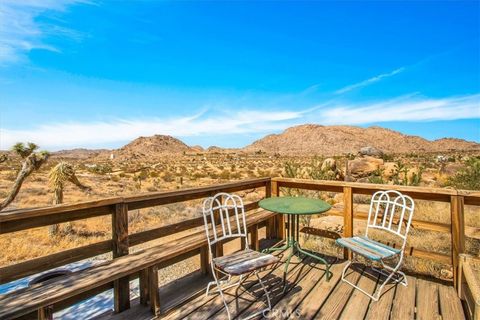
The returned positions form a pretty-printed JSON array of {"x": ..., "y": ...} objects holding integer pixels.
[
  {"x": 32, "y": 161},
  {"x": 62, "y": 173}
]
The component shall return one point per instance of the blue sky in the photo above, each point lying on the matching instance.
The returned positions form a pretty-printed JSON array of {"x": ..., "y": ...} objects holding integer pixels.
[{"x": 101, "y": 73}]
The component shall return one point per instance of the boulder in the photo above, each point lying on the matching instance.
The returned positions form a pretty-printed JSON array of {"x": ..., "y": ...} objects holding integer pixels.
[
  {"x": 362, "y": 167},
  {"x": 371, "y": 151}
]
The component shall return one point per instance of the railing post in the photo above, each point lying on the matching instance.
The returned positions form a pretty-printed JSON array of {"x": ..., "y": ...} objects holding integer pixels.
[
  {"x": 458, "y": 233},
  {"x": 279, "y": 218},
  {"x": 347, "y": 218},
  {"x": 255, "y": 245},
  {"x": 270, "y": 228},
  {"x": 204, "y": 260},
  {"x": 121, "y": 287}
]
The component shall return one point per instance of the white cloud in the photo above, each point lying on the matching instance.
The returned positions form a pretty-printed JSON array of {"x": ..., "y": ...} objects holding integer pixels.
[
  {"x": 69, "y": 135},
  {"x": 407, "y": 109},
  {"x": 369, "y": 81},
  {"x": 21, "y": 32}
]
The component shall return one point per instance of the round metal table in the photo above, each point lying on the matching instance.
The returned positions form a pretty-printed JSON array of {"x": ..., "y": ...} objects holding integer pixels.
[{"x": 293, "y": 208}]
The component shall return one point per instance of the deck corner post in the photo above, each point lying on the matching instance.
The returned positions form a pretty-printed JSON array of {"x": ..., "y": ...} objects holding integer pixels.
[
  {"x": 120, "y": 247},
  {"x": 347, "y": 218},
  {"x": 458, "y": 233}
]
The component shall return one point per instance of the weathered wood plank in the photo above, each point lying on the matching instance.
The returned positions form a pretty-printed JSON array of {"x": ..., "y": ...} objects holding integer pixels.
[
  {"x": 143, "y": 287},
  {"x": 423, "y": 193},
  {"x": 382, "y": 308},
  {"x": 33, "y": 266},
  {"x": 153, "y": 293},
  {"x": 357, "y": 305},
  {"x": 121, "y": 286},
  {"x": 160, "y": 198},
  {"x": 284, "y": 308},
  {"x": 427, "y": 300},
  {"x": 317, "y": 296},
  {"x": 450, "y": 305},
  {"x": 403, "y": 307},
  {"x": 347, "y": 218},
  {"x": 458, "y": 233},
  {"x": 336, "y": 301},
  {"x": 416, "y": 224}
]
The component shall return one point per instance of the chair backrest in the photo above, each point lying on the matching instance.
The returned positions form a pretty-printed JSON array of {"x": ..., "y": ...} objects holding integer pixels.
[
  {"x": 224, "y": 218},
  {"x": 391, "y": 211}
]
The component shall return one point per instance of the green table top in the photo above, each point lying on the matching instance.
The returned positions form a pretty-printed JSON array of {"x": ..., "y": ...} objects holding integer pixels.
[{"x": 294, "y": 205}]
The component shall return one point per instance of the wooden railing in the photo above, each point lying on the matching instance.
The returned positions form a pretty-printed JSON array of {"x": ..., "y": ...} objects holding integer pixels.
[
  {"x": 117, "y": 208},
  {"x": 456, "y": 198}
]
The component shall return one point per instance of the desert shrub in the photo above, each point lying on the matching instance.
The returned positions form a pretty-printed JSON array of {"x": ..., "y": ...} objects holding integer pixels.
[
  {"x": 377, "y": 177},
  {"x": 235, "y": 175},
  {"x": 102, "y": 168},
  {"x": 151, "y": 189},
  {"x": 467, "y": 178},
  {"x": 114, "y": 178},
  {"x": 122, "y": 175},
  {"x": 168, "y": 176},
  {"x": 292, "y": 169},
  {"x": 225, "y": 174},
  {"x": 154, "y": 174},
  {"x": 387, "y": 157}
]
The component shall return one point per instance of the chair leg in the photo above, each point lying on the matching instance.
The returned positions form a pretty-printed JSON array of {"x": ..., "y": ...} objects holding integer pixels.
[
  {"x": 264, "y": 290},
  {"x": 376, "y": 295}
]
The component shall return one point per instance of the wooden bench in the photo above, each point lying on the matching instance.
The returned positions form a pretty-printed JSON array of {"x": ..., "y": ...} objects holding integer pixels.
[
  {"x": 469, "y": 284},
  {"x": 145, "y": 263}
]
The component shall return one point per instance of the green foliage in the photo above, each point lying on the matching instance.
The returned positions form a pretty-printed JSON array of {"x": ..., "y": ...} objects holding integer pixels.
[
  {"x": 401, "y": 176},
  {"x": 387, "y": 157},
  {"x": 316, "y": 172},
  {"x": 377, "y": 177},
  {"x": 102, "y": 168},
  {"x": 467, "y": 178},
  {"x": 292, "y": 169},
  {"x": 24, "y": 150}
]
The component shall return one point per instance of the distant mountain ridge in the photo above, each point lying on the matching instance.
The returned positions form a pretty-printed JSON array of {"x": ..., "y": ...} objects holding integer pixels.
[
  {"x": 311, "y": 139},
  {"x": 308, "y": 139}
]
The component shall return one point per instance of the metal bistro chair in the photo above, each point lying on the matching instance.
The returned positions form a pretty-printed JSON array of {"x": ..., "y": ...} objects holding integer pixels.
[
  {"x": 392, "y": 212},
  {"x": 224, "y": 218}
]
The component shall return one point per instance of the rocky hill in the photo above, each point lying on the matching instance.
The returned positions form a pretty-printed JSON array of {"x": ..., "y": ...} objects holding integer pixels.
[
  {"x": 149, "y": 148},
  {"x": 312, "y": 139}
]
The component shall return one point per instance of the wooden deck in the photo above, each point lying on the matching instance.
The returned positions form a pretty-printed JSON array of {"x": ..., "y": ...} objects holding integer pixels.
[{"x": 310, "y": 296}]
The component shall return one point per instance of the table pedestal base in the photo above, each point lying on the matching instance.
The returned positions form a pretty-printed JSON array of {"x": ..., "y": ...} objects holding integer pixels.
[{"x": 293, "y": 244}]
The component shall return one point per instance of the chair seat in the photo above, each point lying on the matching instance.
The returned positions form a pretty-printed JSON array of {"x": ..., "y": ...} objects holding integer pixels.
[
  {"x": 245, "y": 261},
  {"x": 368, "y": 248}
]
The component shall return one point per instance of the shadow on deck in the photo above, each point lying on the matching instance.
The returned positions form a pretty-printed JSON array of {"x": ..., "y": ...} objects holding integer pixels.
[{"x": 308, "y": 295}]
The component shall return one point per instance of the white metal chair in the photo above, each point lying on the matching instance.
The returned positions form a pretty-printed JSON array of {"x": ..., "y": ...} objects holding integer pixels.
[
  {"x": 391, "y": 212},
  {"x": 224, "y": 218}
]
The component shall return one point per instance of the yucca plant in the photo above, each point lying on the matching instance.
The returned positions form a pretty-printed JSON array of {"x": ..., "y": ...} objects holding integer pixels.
[
  {"x": 58, "y": 176},
  {"x": 32, "y": 161}
]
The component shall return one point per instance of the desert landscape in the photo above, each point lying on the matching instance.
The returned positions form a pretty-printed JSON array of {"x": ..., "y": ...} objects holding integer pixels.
[{"x": 157, "y": 163}]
